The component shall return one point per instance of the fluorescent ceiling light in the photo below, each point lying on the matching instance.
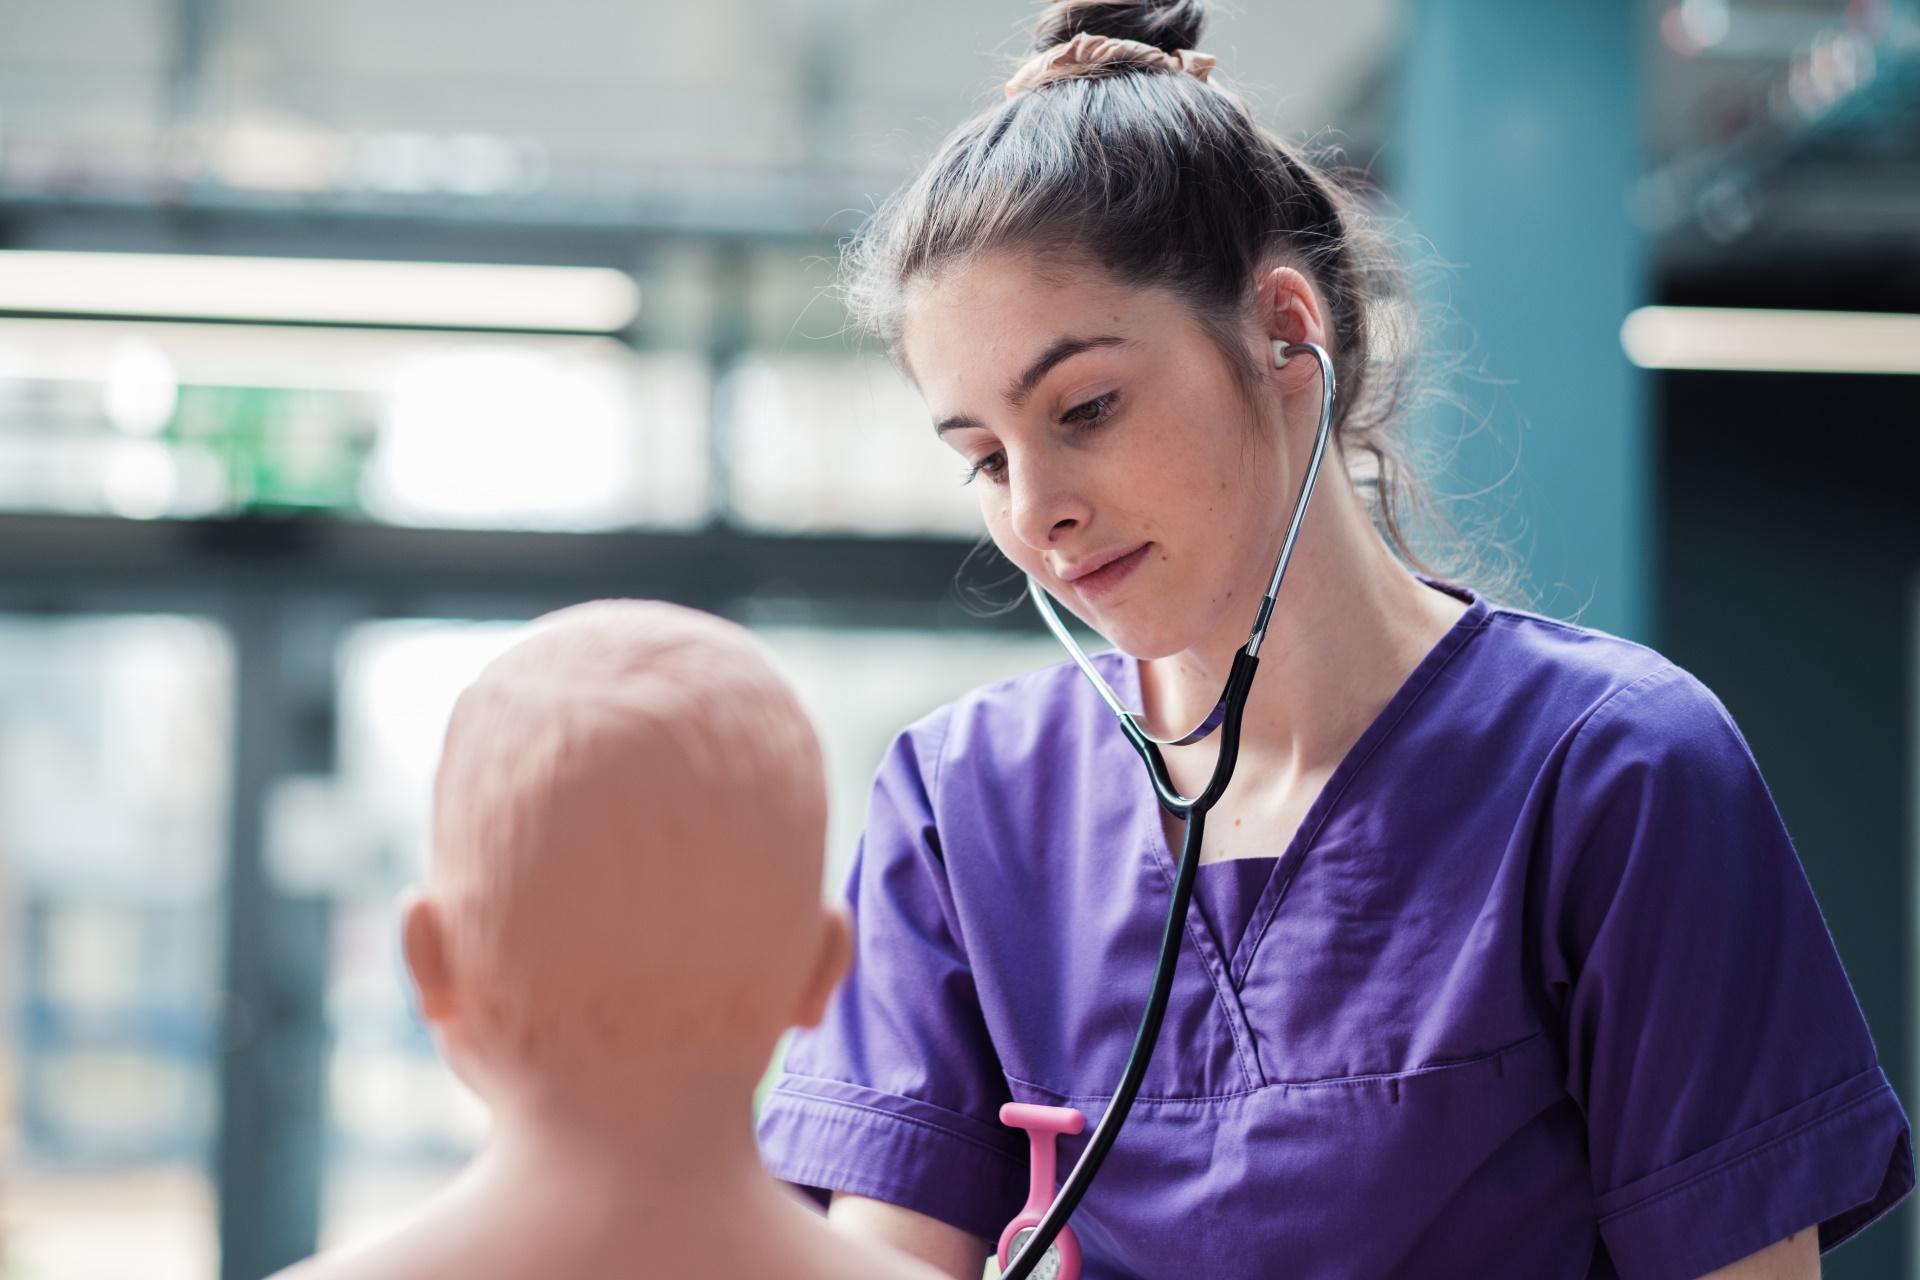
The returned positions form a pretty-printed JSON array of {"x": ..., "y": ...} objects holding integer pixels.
[
  {"x": 264, "y": 355},
  {"x": 319, "y": 291},
  {"x": 1772, "y": 341}
]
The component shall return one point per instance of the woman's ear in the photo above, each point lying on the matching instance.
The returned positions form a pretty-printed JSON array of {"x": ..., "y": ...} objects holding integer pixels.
[
  {"x": 832, "y": 960},
  {"x": 423, "y": 937},
  {"x": 1291, "y": 310}
]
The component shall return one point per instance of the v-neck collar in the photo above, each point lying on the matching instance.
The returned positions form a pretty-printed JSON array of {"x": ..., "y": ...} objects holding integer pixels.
[{"x": 1464, "y": 628}]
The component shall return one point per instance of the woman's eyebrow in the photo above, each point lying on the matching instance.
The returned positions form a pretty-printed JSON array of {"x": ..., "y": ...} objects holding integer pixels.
[
  {"x": 956, "y": 422},
  {"x": 1062, "y": 348},
  {"x": 1022, "y": 387}
]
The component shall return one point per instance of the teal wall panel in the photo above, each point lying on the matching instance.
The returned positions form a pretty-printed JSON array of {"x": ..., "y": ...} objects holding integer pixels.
[{"x": 1515, "y": 150}]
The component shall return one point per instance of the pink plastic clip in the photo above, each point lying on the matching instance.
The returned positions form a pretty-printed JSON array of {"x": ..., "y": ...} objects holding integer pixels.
[{"x": 1043, "y": 1126}]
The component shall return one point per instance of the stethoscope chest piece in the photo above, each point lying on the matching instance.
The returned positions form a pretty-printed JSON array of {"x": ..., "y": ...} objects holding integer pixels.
[{"x": 1044, "y": 1125}]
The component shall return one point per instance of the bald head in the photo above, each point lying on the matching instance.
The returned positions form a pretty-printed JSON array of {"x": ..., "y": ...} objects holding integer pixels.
[{"x": 629, "y": 822}]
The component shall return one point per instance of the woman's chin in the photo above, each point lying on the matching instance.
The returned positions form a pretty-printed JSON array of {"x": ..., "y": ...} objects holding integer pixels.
[
  {"x": 1143, "y": 633},
  {"x": 1163, "y": 631},
  {"x": 1144, "y": 643}
]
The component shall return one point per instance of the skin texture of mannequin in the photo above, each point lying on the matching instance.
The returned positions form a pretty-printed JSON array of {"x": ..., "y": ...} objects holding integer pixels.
[{"x": 622, "y": 914}]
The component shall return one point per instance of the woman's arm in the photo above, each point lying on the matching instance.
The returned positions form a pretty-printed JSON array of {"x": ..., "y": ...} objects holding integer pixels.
[
  {"x": 1795, "y": 1258},
  {"x": 953, "y": 1251}
]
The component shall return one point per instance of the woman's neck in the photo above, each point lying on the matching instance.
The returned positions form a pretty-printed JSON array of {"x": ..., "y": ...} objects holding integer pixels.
[{"x": 1349, "y": 626}]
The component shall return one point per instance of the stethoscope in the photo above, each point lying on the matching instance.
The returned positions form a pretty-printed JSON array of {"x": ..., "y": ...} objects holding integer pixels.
[{"x": 1039, "y": 1242}]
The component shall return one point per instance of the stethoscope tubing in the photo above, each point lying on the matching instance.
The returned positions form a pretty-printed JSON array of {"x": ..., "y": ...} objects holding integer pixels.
[{"x": 1192, "y": 810}]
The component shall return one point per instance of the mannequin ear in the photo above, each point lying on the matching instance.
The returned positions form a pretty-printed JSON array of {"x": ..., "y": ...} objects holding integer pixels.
[
  {"x": 830, "y": 964},
  {"x": 423, "y": 937}
]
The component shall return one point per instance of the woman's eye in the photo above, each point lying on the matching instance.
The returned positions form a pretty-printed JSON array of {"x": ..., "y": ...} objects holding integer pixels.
[
  {"x": 993, "y": 466},
  {"x": 1091, "y": 412}
]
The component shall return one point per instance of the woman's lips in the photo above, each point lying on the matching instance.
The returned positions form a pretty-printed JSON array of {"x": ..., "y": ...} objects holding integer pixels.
[{"x": 1091, "y": 586}]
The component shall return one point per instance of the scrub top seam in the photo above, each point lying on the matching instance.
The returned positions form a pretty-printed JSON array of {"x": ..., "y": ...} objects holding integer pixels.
[
  {"x": 949, "y": 908},
  {"x": 1611, "y": 705},
  {"x": 1218, "y": 973},
  {"x": 940, "y": 763},
  {"x": 1303, "y": 841},
  {"x": 1507, "y": 613},
  {"x": 1318, "y": 1082}
]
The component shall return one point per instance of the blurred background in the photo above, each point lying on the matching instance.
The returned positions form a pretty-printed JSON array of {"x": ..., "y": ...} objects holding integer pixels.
[{"x": 339, "y": 338}]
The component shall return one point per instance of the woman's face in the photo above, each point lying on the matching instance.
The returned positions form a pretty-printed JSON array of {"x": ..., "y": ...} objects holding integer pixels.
[{"x": 1115, "y": 453}]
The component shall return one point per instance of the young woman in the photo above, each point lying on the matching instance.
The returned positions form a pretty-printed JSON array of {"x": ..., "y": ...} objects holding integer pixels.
[{"x": 1502, "y": 963}]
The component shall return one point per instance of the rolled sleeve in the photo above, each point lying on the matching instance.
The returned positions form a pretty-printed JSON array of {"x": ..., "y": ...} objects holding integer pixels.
[
  {"x": 827, "y": 1135},
  {"x": 1842, "y": 1159},
  {"x": 1730, "y": 1086}
]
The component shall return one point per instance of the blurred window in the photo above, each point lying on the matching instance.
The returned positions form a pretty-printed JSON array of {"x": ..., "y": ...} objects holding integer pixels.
[
  {"x": 456, "y": 430},
  {"x": 818, "y": 444},
  {"x": 114, "y": 764}
]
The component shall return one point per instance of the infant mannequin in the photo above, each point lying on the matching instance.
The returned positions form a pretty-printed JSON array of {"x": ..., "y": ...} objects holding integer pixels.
[{"x": 622, "y": 914}]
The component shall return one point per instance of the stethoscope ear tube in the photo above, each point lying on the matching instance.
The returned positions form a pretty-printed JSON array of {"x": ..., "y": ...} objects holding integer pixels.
[{"x": 1192, "y": 810}]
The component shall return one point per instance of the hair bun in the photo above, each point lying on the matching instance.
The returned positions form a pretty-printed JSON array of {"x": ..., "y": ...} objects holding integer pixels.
[{"x": 1167, "y": 25}]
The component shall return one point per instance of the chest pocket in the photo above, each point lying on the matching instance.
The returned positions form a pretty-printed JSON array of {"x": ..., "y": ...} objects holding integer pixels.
[
  {"x": 1472, "y": 1168},
  {"x": 1366, "y": 961}
]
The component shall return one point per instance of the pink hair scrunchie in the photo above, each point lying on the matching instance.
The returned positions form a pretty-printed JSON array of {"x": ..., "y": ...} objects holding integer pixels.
[{"x": 1087, "y": 54}]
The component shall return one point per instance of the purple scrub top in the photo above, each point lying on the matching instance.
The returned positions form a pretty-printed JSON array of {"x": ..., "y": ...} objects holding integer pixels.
[{"x": 1538, "y": 990}]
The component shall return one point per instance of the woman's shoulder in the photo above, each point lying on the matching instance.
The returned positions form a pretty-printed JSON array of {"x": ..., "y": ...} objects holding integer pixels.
[
  {"x": 1009, "y": 722},
  {"x": 1566, "y": 650},
  {"x": 1593, "y": 691}
]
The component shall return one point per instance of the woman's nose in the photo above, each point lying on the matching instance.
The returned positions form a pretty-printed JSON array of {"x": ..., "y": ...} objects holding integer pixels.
[{"x": 1044, "y": 510}]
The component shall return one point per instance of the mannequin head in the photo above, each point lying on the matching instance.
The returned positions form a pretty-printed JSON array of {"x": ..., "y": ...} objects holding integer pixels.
[{"x": 624, "y": 884}]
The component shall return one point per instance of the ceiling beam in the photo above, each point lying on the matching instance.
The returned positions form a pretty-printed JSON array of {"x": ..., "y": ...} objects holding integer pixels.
[{"x": 57, "y": 563}]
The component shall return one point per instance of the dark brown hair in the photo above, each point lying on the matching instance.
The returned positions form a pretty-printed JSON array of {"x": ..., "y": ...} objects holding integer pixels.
[{"x": 1167, "y": 182}]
